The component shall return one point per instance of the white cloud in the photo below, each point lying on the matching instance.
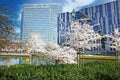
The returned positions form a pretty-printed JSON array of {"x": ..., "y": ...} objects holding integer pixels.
[
  {"x": 72, "y": 4},
  {"x": 19, "y": 17},
  {"x": 17, "y": 30}
]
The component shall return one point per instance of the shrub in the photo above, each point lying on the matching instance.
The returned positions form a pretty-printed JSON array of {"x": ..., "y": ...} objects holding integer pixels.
[{"x": 90, "y": 71}]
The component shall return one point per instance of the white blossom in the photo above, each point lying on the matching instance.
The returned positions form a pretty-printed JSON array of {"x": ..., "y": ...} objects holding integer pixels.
[
  {"x": 80, "y": 34},
  {"x": 115, "y": 39},
  {"x": 79, "y": 38}
]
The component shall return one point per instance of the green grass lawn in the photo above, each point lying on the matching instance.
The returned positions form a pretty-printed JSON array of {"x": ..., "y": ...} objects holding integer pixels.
[{"x": 86, "y": 71}]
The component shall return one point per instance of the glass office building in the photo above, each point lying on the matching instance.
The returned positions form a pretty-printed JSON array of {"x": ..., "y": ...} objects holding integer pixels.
[
  {"x": 107, "y": 15},
  {"x": 40, "y": 19},
  {"x": 64, "y": 21}
]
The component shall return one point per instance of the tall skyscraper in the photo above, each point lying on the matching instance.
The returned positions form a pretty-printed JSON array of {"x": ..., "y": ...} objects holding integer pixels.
[
  {"x": 40, "y": 19},
  {"x": 107, "y": 15}
]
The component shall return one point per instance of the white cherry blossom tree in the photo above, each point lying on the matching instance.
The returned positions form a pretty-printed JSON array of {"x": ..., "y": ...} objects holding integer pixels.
[
  {"x": 115, "y": 39},
  {"x": 51, "y": 50},
  {"x": 82, "y": 35},
  {"x": 79, "y": 36}
]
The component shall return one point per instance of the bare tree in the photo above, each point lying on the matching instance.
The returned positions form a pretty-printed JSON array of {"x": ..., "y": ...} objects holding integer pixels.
[{"x": 7, "y": 23}]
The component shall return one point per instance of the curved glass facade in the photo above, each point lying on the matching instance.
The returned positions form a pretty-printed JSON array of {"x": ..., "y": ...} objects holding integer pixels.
[{"x": 107, "y": 15}]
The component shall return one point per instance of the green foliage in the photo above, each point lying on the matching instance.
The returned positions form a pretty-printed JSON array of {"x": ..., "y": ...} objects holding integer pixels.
[{"x": 90, "y": 71}]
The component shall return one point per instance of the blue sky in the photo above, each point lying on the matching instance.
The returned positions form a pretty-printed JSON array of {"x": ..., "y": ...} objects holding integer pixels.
[{"x": 67, "y": 5}]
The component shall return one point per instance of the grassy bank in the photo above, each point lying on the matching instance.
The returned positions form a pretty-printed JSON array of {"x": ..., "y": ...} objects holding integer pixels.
[
  {"x": 88, "y": 71},
  {"x": 16, "y": 55}
]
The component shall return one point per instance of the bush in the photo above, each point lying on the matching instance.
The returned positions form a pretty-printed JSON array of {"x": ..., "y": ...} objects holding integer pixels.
[{"x": 90, "y": 71}]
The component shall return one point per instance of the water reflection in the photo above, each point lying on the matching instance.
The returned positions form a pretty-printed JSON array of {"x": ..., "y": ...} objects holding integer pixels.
[{"x": 23, "y": 60}]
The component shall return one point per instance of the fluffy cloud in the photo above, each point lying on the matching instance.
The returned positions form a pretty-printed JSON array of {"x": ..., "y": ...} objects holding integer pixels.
[
  {"x": 17, "y": 30},
  {"x": 72, "y": 4},
  {"x": 19, "y": 16}
]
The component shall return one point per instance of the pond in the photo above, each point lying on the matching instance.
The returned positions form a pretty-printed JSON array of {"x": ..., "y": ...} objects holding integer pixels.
[
  {"x": 42, "y": 60},
  {"x": 10, "y": 60}
]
